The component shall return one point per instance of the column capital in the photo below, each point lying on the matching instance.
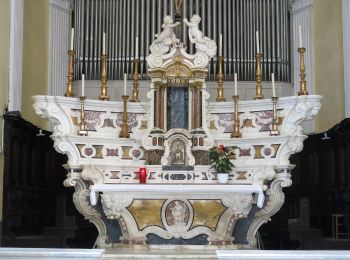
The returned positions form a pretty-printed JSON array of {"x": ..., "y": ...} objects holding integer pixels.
[
  {"x": 298, "y": 5},
  {"x": 62, "y": 4}
]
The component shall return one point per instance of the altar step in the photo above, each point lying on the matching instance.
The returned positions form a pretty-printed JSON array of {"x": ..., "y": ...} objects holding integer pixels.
[{"x": 207, "y": 254}]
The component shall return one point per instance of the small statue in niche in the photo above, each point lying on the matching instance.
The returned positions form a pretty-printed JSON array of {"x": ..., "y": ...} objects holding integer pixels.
[
  {"x": 178, "y": 155},
  {"x": 203, "y": 43},
  {"x": 166, "y": 38}
]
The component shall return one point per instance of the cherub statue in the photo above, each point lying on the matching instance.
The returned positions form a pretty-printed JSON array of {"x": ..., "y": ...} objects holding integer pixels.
[
  {"x": 203, "y": 44},
  {"x": 166, "y": 38}
]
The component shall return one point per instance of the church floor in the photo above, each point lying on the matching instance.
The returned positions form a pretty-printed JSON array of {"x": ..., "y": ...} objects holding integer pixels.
[{"x": 160, "y": 254}]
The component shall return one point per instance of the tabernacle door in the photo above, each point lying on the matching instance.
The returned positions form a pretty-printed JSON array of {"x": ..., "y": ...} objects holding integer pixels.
[{"x": 177, "y": 107}]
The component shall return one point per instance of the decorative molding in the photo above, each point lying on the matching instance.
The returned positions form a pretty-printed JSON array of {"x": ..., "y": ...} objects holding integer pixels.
[
  {"x": 346, "y": 46},
  {"x": 302, "y": 15},
  {"x": 16, "y": 55},
  {"x": 58, "y": 45}
]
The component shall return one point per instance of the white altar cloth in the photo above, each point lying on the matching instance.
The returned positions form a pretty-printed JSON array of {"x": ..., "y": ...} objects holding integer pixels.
[{"x": 178, "y": 188}]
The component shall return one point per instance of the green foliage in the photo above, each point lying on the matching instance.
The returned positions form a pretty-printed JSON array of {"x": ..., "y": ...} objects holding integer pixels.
[{"x": 219, "y": 159}]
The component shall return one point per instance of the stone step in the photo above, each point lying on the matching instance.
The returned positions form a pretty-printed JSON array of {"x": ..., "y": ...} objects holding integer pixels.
[{"x": 174, "y": 253}]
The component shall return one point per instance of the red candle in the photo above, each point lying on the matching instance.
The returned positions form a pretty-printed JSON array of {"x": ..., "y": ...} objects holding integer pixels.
[{"x": 143, "y": 175}]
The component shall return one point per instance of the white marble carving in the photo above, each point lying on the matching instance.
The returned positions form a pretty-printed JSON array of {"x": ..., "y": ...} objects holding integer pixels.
[
  {"x": 165, "y": 38},
  {"x": 203, "y": 43}
]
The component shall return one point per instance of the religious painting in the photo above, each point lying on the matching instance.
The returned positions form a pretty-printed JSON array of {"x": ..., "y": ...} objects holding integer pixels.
[{"x": 177, "y": 107}]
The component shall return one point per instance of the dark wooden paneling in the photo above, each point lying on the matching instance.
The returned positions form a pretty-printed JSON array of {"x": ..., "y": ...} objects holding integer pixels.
[
  {"x": 37, "y": 209},
  {"x": 321, "y": 175}
]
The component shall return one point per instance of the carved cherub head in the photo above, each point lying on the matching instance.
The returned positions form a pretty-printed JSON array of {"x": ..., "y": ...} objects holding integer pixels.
[
  {"x": 167, "y": 19},
  {"x": 195, "y": 18}
]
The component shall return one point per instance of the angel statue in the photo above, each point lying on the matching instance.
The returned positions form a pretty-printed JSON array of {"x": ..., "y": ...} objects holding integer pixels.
[
  {"x": 165, "y": 38},
  {"x": 203, "y": 44}
]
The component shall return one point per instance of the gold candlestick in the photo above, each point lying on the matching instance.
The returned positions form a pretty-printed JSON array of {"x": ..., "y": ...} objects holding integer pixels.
[
  {"x": 124, "y": 133},
  {"x": 135, "y": 91},
  {"x": 103, "y": 95},
  {"x": 303, "y": 90},
  {"x": 69, "y": 92},
  {"x": 259, "y": 94},
  {"x": 274, "y": 125},
  {"x": 235, "y": 133},
  {"x": 82, "y": 124},
  {"x": 220, "y": 97}
]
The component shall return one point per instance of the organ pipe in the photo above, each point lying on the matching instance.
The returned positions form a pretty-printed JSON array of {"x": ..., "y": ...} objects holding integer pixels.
[{"x": 237, "y": 20}]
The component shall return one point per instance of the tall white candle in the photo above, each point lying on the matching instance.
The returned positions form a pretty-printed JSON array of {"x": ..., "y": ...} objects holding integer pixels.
[
  {"x": 300, "y": 38},
  {"x": 235, "y": 84},
  {"x": 257, "y": 42},
  {"x": 273, "y": 85},
  {"x": 104, "y": 44},
  {"x": 71, "y": 39},
  {"x": 136, "y": 48},
  {"x": 124, "y": 84},
  {"x": 220, "y": 45},
  {"x": 83, "y": 85}
]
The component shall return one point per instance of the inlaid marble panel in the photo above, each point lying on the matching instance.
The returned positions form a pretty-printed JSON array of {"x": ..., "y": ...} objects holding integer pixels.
[
  {"x": 207, "y": 213},
  {"x": 147, "y": 213}
]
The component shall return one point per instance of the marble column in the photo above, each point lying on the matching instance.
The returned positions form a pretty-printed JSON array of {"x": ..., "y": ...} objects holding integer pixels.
[
  {"x": 59, "y": 36},
  {"x": 16, "y": 54},
  {"x": 196, "y": 114},
  {"x": 158, "y": 106}
]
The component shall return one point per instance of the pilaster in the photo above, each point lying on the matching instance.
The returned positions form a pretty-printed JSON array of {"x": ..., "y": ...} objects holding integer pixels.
[
  {"x": 58, "y": 45},
  {"x": 16, "y": 54},
  {"x": 301, "y": 14},
  {"x": 346, "y": 48}
]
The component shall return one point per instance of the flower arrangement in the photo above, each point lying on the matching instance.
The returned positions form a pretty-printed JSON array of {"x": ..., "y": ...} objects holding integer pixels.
[{"x": 219, "y": 159}]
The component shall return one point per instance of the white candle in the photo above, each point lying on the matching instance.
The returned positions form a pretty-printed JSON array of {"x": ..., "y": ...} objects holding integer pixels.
[
  {"x": 124, "y": 84},
  {"x": 273, "y": 85},
  {"x": 220, "y": 45},
  {"x": 235, "y": 84},
  {"x": 71, "y": 39},
  {"x": 83, "y": 85},
  {"x": 257, "y": 42},
  {"x": 104, "y": 44},
  {"x": 136, "y": 48},
  {"x": 300, "y": 38}
]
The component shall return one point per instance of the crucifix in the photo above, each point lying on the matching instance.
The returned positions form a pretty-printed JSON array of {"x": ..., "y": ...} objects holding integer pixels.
[
  {"x": 178, "y": 18},
  {"x": 178, "y": 4}
]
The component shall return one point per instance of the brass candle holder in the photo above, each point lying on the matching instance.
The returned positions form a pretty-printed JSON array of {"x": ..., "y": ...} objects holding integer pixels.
[
  {"x": 259, "y": 94},
  {"x": 124, "y": 133},
  {"x": 135, "y": 91},
  {"x": 274, "y": 125},
  {"x": 235, "y": 133},
  {"x": 82, "y": 125},
  {"x": 69, "y": 92},
  {"x": 103, "y": 95},
  {"x": 220, "y": 97},
  {"x": 303, "y": 90}
]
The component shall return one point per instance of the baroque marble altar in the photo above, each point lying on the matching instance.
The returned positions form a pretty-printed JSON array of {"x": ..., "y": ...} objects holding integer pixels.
[{"x": 170, "y": 135}]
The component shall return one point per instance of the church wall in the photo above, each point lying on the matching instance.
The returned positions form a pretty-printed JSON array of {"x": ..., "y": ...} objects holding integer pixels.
[
  {"x": 35, "y": 56},
  {"x": 4, "y": 72},
  {"x": 328, "y": 61}
]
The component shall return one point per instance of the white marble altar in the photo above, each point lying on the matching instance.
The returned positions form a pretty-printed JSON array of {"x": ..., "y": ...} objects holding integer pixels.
[{"x": 181, "y": 203}]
